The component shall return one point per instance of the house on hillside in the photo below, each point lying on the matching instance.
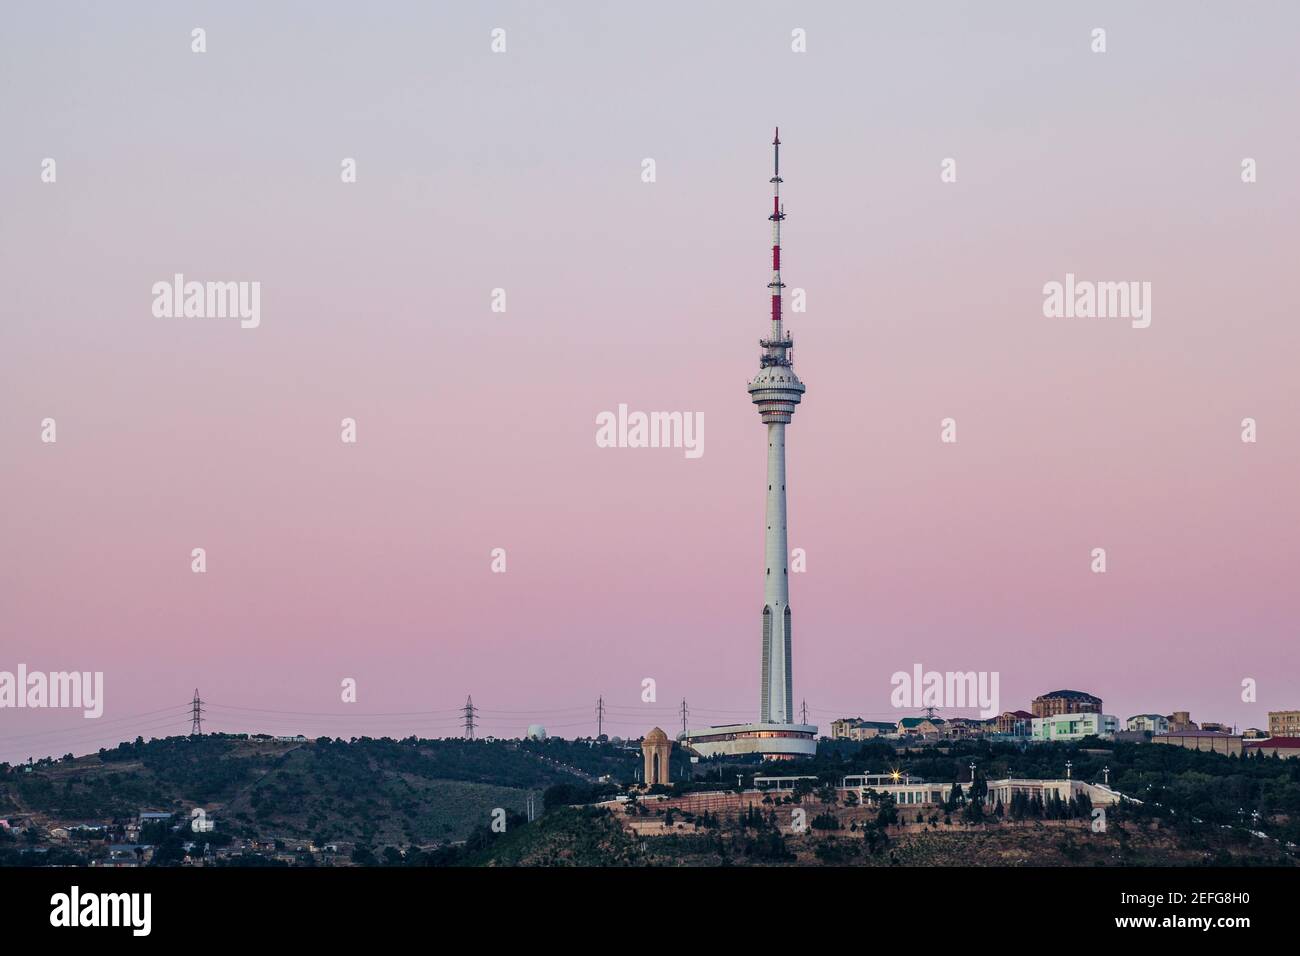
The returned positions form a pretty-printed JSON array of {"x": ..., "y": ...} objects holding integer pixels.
[{"x": 921, "y": 726}]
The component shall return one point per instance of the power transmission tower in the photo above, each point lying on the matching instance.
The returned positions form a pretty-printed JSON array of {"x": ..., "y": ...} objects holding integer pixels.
[
  {"x": 684, "y": 713},
  {"x": 196, "y": 714},
  {"x": 469, "y": 711},
  {"x": 803, "y": 719},
  {"x": 600, "y": 717}
]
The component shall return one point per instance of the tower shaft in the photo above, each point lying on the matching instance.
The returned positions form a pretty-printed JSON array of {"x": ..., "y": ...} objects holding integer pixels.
[{"x": 778, "y": 681}]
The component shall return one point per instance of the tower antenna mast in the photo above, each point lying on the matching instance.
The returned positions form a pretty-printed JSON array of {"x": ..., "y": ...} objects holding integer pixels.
[{"x": 778, "y": 214}]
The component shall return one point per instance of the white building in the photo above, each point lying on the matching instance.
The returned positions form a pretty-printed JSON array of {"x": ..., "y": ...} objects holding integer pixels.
[
  {"x": 1150, "y": 723},
  {"x": 1074, "y": 726},
  {"x": 910, "y": 791},
  {"x": 781, "y": 741}
]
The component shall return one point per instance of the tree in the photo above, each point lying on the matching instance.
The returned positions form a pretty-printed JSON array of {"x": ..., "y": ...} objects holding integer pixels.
[
  {"x": 955, "y": 798},
  {"x": 888, "y": 812}
]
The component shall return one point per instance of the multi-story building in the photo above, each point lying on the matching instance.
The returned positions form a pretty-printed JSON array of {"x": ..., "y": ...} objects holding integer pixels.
[
  {"x": 1181, "y": 720},
  {"x": 1074, "y": 726},
  {"x": 1065, "y": 702},
  {"x": 840, "y": 728},
  {"x": 1150, "y": 723},
  {"x": 922, "y": 726},
  {"x": 965, "y": 727},
  {"x": 854, "y": 728},
  {"x": 1284, "y": 723},
  {"x": 1015, "y": 723},
  {"x": 1216, "y": 727}
]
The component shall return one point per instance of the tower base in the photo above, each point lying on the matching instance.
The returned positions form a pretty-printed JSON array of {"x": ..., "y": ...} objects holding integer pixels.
[{"x": 772, "y": 741}]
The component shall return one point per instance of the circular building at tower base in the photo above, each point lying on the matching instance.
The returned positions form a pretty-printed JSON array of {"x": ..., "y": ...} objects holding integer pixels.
[{"x": 769, "y": 740}]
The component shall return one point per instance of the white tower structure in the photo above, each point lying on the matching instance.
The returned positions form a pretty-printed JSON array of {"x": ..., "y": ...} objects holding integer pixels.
[{"x": 776, "y": 390}]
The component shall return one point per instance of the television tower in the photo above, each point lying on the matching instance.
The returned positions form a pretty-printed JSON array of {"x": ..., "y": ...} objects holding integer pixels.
[{"x": 776, "y": 390}]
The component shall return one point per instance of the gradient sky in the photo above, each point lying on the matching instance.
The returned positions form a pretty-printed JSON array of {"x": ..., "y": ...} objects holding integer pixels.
[{"x": 476, "y": 430}]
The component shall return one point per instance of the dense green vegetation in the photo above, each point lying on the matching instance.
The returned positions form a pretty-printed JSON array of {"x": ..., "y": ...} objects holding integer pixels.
[
  {"x": 417, "y": 802},
  {"x": 367, "y": 790}
]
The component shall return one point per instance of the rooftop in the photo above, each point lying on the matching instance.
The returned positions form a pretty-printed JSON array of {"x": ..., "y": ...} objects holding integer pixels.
[{"x": 917, "y": 721}]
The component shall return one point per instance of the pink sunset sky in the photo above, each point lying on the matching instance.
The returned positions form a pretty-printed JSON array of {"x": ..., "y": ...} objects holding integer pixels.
[{"x": 522, "y": 170}]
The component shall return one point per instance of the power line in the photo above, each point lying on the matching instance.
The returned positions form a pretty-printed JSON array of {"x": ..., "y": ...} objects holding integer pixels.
[
  {"x": 317, "y": 713},
  {"x": 175, "y": 710},
  {"x": 131, "y": 730}
]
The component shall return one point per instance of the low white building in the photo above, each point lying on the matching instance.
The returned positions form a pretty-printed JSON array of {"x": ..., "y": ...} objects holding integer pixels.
[{"x": 911, "y": 791}]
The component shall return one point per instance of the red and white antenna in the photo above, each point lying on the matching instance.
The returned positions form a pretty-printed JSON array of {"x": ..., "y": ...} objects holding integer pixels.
[{"x": 778, "y": 213}]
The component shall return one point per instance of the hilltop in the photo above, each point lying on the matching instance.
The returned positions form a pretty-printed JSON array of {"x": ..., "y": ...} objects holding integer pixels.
[
  {"x": 368, "y": 792},
  {"x": 420, "y": 802}
]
